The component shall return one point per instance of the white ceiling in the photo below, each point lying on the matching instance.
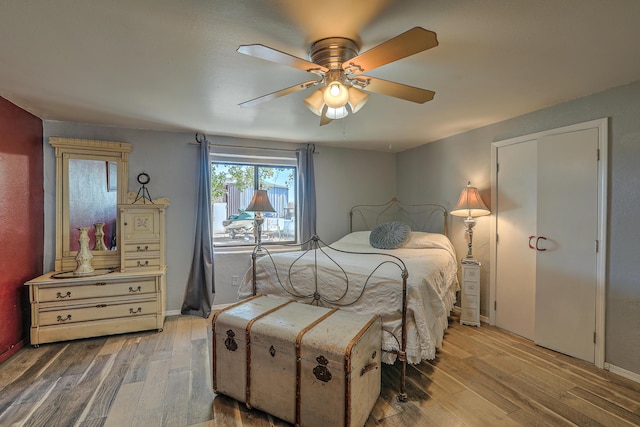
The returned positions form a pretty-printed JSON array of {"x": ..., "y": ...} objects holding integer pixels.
[{"x": 173, "y": 65}]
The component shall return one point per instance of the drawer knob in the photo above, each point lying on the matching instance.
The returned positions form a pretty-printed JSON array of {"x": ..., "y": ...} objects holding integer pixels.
[
  {"x": 146, "y": 248},
  {"x": 101, "y": 284},
  {"x": 143, "y": 264},
  {"x": 132, "y": 311},
  {"x": 67, "y": 295},
  {"x": 101, "y": 305},
  {"x": 138, "y": 289},
  {"x": 64, "y": 319}
]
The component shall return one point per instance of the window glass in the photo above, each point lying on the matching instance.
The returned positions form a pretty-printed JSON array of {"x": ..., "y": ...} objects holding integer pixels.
[{"x": 232, "y": 188}]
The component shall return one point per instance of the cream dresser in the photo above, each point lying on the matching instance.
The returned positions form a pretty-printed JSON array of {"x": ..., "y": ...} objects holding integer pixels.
[
  {"x": 81, "y": 307},
  {"x": 127, "y": 298},
  {"x": 126, "y": 292}
]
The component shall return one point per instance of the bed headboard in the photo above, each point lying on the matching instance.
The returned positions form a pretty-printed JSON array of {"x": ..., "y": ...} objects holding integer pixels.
[{"x": 420, "y": 217}]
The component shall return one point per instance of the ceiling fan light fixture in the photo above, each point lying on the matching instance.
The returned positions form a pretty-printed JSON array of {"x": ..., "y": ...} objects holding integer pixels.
[
  {"x": 315, "y": 102},
  {"x": 357, "y": 99},
  {"x": 336, "y": 113},
  {"x": 338, "y": 65},
  {"x": 336, "y": 95}
]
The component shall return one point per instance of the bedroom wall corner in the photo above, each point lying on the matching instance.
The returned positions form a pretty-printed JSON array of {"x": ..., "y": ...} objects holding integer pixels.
[
  {"x": 443, "y": 166},
  {"x": 21, "y": 219},
  {"x": 171, "y": 165},
  {"x": 436, "y": 173}
]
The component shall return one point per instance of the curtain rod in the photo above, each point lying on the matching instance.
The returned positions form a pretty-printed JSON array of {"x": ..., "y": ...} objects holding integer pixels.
[
  {"x": 245, "y": 146},
  {"x": 201, "y": 138}
]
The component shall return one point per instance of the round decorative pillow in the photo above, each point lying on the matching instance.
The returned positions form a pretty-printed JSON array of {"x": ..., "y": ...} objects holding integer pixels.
[{"x": 390, "y": 235}]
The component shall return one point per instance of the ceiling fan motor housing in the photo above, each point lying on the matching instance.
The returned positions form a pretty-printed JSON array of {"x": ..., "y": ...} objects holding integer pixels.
[{"x": 333, "y": 51}]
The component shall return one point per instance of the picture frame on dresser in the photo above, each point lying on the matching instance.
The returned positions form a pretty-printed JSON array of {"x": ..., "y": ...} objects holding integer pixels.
[{"x": 109, "y": 298}]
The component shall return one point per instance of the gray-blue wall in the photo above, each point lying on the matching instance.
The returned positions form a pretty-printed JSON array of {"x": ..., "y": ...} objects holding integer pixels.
[
  {"x": 438, "y": 170},
  {"x": 344, "y": 177}
]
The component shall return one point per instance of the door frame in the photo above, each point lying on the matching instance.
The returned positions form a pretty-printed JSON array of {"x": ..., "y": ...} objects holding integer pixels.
[{"x": 601, "y": 264}]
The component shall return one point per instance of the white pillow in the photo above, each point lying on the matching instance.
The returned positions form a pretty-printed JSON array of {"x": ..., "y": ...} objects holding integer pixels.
[{"x": 356, "y": 238}]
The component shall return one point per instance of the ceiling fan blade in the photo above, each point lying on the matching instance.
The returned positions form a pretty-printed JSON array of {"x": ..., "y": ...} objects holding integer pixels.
[
  {"x": 406, "y": 44},
  {"x": 324, "y": 120},
  {"x": 397, "y": 90},
  {"x": 273, "y": 55},
  {"x": 279, "y": 93}
]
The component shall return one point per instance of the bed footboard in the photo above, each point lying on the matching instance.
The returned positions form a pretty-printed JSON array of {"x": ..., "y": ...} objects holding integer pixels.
[{"x": 319, "y": 258}]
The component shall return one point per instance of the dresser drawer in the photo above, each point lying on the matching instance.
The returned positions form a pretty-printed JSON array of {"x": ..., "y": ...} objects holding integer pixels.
[
  {"x": 142, "y": 263},
  {"x": 470, "y": 301},
  {"x": 98, "y": 312},
  {"x": 141, "y": 247},
  {"x": 469, "y": 314},
  {"x": 94, "y": 290},
  {"x": 141, "y": 255},
  {"x": 471, "y": 288},
  {"x": 470, "y": 273}
]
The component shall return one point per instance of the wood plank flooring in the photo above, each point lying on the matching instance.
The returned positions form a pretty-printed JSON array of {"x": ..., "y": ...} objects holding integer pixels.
[{"x": 481, "y": 377}]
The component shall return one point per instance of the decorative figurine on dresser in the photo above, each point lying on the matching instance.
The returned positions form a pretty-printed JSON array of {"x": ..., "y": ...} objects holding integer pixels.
[{"x": 100, "y": 286}]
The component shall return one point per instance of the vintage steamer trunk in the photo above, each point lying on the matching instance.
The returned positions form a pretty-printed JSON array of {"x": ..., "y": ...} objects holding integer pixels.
[
  {"x": 340, "y": 370},
  {"x": 259, "y": 351},
  {"x": 230, "y": 346}
]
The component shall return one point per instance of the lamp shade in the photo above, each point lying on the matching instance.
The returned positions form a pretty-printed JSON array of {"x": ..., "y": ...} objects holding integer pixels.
[
  {"x": 260, "y": 202},
  {"x": 470, "y": 204},
  {"x": 315, "y": 101},
  {"x": 336, "y": 113},
  {"x": 357, "y": 99}
]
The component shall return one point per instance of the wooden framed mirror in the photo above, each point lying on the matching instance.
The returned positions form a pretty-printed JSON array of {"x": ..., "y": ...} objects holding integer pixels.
[{"x": 91, "y": 180}]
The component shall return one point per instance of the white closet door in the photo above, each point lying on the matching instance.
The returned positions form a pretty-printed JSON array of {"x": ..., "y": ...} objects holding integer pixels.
[
  {"x": 516, "y": 264},
  {"x": 567, "y": 216}
]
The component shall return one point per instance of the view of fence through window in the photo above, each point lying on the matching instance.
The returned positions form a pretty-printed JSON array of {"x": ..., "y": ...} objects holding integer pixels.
[{"x": 232, "y": 187}]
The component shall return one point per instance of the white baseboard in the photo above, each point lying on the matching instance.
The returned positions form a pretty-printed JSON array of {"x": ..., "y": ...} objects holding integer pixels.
[
  {"x": 172, "y": 313},
  {"x": 622, "y": 372}
]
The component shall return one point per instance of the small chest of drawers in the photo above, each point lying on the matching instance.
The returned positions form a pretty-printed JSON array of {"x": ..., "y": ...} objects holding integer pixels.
[
  {"x": 142, "y": 239},
  {"x": 470, "y": 293}
]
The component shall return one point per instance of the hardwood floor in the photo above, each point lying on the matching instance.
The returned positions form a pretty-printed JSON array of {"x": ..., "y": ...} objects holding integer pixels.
[{"x": 481, "y": 377}]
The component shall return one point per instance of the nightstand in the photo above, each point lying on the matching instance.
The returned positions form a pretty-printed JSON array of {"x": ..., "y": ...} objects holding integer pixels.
[{"x": 470, "y": 293}]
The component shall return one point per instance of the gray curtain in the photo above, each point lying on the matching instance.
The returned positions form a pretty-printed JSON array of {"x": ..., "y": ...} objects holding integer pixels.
[
  {"x": 306, "y": 191},
  {"x": 198, "y": 297}
]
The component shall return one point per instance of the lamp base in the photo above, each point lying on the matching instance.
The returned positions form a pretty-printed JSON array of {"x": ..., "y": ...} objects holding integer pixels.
[{"x": 257, "y": 230}]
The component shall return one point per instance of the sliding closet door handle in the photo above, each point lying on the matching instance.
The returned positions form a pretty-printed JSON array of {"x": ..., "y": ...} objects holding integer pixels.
[
  {"x": 538, "y": 248},
  {"x": 530, "y": 245}
]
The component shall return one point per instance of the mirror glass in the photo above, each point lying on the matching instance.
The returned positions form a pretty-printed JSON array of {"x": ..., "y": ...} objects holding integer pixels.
[
  {"x": 93, "y": 199},
  {"x": 91, "y": 180}
]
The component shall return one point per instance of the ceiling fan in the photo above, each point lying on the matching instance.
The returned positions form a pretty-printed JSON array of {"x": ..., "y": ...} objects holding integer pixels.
[{"x": 339, "y": 66}]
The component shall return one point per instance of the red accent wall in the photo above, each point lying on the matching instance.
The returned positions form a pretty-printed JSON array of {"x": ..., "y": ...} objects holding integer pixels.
[{"x": 21, "y": 221}]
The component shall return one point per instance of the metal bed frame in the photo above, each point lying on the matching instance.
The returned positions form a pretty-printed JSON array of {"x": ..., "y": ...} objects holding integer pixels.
[{"x": 417, "y": 216}]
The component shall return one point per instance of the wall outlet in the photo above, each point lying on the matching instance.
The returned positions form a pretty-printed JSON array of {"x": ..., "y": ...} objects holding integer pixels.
[{"x": 235, "y": 281}]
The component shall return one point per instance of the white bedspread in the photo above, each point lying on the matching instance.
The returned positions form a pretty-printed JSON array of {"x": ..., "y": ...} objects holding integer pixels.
[{"x": 431, "y": 285}]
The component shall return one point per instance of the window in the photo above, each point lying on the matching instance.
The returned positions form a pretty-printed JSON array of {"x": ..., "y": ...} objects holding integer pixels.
[{"x": 233, "y": 180}]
